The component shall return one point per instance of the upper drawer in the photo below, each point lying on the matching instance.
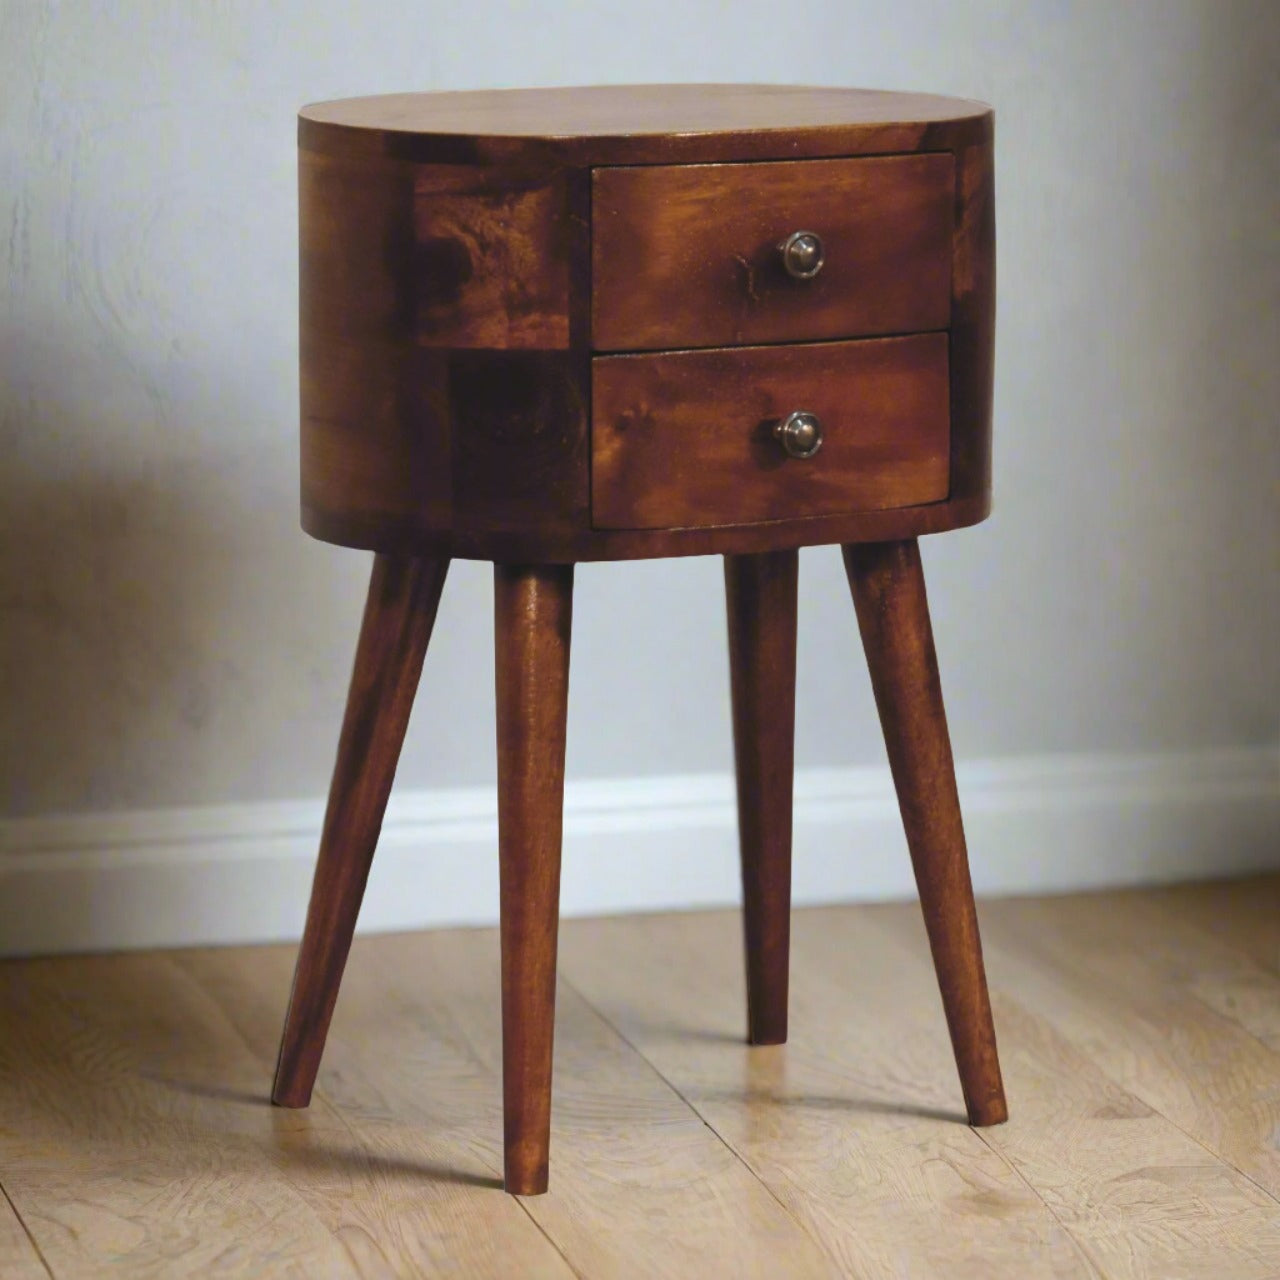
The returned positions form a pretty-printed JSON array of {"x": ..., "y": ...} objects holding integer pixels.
[{"x": 689, "y": 256}]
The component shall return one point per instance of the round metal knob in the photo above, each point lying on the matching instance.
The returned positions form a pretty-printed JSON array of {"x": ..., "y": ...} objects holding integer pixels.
[
  {"x": 800, "y": 434},
  {"x": 802, "y": 254}
]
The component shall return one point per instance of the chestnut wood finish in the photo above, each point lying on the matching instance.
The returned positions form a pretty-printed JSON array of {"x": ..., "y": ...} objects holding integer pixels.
[
  {"x": 893, "y": 616},
  {"x": 641, "y": 124},
  {"x": 533, "y": 613},
  {"x": 687, "y": 255},
  {"x": 398, "y": 618},
  {"x": 761, "y": 596},
  {"x": 973, "y": 328},
  {"x": 446, "y": 292},
  {"x": 685, "y": 438},
  {"x": 545, "y": 326},
  {"x": 493, "y": 259}
]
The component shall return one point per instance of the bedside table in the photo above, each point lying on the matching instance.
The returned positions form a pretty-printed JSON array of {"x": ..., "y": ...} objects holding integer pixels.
[{"x": 544, "y": 326}]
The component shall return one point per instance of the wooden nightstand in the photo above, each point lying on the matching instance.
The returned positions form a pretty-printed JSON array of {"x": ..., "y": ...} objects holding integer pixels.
[{"x": 544, "y": 326}]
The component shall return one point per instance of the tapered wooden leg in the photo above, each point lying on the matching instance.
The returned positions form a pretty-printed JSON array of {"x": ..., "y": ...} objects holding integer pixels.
[
  {"x": 404, "y": 594},
  {"x": 893, "y": 616},
  {"x": 533, "y": 614},
  {"x": 761, "y": 595}
]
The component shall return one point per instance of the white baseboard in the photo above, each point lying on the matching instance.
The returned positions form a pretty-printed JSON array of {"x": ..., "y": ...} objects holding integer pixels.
[{"x": 241, "y": 873}]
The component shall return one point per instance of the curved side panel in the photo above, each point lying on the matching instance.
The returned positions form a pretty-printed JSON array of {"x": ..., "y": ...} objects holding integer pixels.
[
  {"x": 439, "y": 389},
  {"x": 973, "y": 327},
  {"x": 375, "y": 452}
]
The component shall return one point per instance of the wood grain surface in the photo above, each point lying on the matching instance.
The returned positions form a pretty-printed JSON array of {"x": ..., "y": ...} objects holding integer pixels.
[
  {"x": 399, "y": 615},
  {"x": 887, "y": 583},
  {"x": 533, "y": 614},
  {"x": 136, "y": 1139},
  {"x": 857, "y": 1123},
  {"x": 438, "y": 321},
  {"x": 973, "y": 325},
  {"x": 641, "y": 124},
  {"x": 18, "y": 1257},
  {"x": 407, "y": 1190},
  {"x": 686, "y": 438},
  {"x": 1238, "y": 979},
  {"x": 639, "y": 1183},
  {"x": 1137, "y": 1194},
  {"x": 403, "y": 534},
  {"x": 761, "y": 594},
  {"x": 446, "y": 300},
  {"x": 1147, "y": 1025},
  {"x": 1240, "y": 913},
  {"x": 493, "y": 255},
  {"x": 688, "y": 255}
]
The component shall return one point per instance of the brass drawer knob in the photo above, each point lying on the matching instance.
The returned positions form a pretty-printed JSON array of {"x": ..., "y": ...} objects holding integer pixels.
[
  {"x": 802, "y": 254},
  {"x": 800, "y": 434}
]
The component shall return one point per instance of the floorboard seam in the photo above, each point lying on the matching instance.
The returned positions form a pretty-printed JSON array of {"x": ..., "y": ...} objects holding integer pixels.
[
  {"x": 1081, "y": 1251},
  {"x": 318, "y": 1095},
  {"x": 170, "y": 957},
  {"x": 724, "y": 1142},
  {"x": 22, "y": 1222},
  {"x": 546, "y": 1235},
  {"x": 1204, "y": 1146},
  {"x": 331, "y": 1108},
  {"x": 996, "y": 995}
]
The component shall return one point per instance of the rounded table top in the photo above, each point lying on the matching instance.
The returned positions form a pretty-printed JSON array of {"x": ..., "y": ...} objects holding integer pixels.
[{"x": 642, "y": 124}]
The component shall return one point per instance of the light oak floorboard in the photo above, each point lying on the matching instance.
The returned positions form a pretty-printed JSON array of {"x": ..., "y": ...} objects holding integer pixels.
[
  {"x": 639, "y": 1185},
  {"x": 1241, "y": 912},
  {"x": 18, "y": 1257},
  {"x": 1136, "y": 1033},
  {"x": 119, "y": 1145},
  {"x": 404, "y": 1198},
  {"x": 1140, "y": 1196},
  {"x": 857, "y": 1124},
  {"x": 1234, "y": 953},
  {"x": 1117, "y": 979}
]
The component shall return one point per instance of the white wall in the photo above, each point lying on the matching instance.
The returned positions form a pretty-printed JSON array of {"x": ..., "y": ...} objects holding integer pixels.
[{"x": 169, "y": 638}]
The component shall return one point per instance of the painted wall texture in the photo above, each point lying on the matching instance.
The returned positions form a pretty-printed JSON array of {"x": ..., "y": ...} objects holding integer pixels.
[{"x": 169, "y": 637}]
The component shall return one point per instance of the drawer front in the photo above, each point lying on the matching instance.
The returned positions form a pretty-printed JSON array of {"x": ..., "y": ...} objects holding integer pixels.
[
  {"x": 687, "y": 439},
  {"x": 688, "y": 255}
]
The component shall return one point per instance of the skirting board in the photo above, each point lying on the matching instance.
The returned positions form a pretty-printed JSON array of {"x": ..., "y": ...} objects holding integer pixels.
[{"x": 242, "y": 873}]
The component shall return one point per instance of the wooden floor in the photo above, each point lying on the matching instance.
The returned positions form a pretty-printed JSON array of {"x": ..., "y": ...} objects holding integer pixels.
[{"x": 1140, "y": 1036}]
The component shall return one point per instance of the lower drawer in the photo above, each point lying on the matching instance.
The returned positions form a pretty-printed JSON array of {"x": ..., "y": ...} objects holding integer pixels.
[{"x": 688, "y": 438}]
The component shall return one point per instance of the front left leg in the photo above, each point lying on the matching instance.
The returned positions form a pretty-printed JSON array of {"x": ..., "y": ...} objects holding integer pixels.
[
  {"x": 532, "y": 617},
  {"x": 404, "y": 593}
]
